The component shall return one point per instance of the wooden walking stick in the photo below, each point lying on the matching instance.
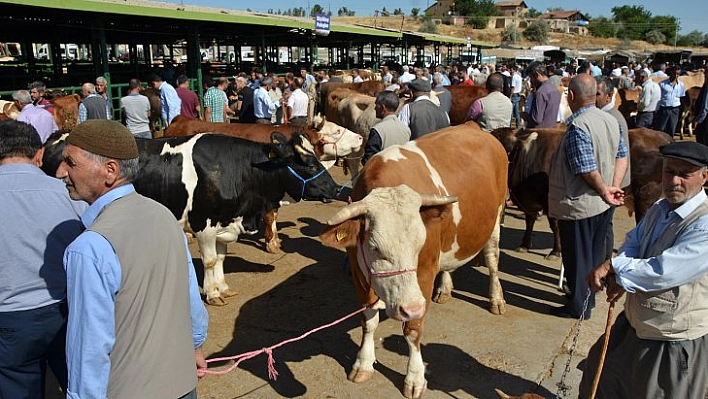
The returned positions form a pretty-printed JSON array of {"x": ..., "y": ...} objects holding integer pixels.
[{"x": 601, "y": 362}]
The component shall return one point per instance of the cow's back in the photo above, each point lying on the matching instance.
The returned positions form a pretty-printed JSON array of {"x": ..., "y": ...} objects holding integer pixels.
[
  {"x": 462, "y": 161},
  {"x": 462, "y": 99}
]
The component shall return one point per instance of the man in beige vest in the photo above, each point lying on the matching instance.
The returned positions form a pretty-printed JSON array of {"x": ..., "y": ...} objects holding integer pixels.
[
  {"x": 658, "y": 347},
  {"x": 591, "y": 156},
  {"x": 493, "y": 110},
  {"x": 136, "y": 321}
]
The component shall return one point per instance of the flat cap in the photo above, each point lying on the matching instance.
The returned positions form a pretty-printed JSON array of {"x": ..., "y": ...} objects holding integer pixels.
[
  {"x": 689, "y": 151},
  {"x": 419, "y": 84},
  {"x": 104, "y": 137}
]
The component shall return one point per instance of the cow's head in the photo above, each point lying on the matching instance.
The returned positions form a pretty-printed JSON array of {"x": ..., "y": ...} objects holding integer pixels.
[
  {"x": 388, "y": 228},
  {"x": 306, "y": 178}
]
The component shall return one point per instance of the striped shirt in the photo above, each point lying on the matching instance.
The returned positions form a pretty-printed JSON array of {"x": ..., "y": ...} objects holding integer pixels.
[
  {"x": 215, "y": 99},
  {"x": 581, "y": 155}
]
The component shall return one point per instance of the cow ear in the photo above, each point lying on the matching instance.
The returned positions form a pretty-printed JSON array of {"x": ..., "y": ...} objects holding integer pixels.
[
  {"x": 279, "y": 148},
  {"x": 435, "y": 213},
  {"x": 341, "y": 235}
]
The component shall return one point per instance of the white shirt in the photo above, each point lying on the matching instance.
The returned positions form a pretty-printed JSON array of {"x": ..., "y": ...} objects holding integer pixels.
[
  {"x": 406, "y": 77},
  {"x": 298, "y": 102},
  {"x": 516, "y": 82},
  {"x": 617, "y": 72},
  {"x": 358, "y": 79},
  {"x": 651, "y": 94}
]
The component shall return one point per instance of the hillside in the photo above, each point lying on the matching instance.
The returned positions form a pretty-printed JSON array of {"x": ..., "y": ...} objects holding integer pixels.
[{"x": 574, "y": 42}]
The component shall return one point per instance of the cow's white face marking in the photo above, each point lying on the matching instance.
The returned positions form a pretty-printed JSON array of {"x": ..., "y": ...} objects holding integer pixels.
[
  {"x": 339, "y": 141},
  {"x": 395, "y": 234},
  {"x": 395, "y": 154},
  {"x": 189, "y": 173}
]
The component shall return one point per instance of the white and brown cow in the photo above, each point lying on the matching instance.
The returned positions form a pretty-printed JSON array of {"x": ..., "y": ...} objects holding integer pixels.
[{"x": 427, "y": 207}]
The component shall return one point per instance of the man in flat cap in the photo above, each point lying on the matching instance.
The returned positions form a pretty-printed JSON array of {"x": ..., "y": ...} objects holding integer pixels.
[
  {"x": 658, "y": 347},
  {"x": 421, "y": 115},
  {"x": 136, "y": 320}
]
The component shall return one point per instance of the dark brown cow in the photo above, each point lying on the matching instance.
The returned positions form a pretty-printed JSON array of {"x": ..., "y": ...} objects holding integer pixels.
[
  {"x": 462, "y": 99},
  {"x": 427, "y": 207},
  {"x": 530, "y": 155},
  {"x": 686, "y": 116},
  {"x": 629, "y": 98},
  {"x": 153, "y": 96}
]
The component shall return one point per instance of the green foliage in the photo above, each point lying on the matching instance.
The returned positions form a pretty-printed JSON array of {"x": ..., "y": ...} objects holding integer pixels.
[
  {"x": 634, "y": 19},
  {"x": 345, "y": 12},
  {"x": 510, "y": 34},
  {"x": 655, "y": 37},
  {"x": 415, "y": 11},
  {"x": 693, "y": 38},
  {"x": 668, "y": 25},
  {"x": 477, "y": 11},
  {"x": 533, "y": 13},
  {"x": 537, "y": 32},
  {"x": 602, "y": 27},
  {"x": 316, "y": 9},
  {"x": 397, "y": 11},
  {"x": 428, "y": 26},
  {"x": 554, "y": 9}
]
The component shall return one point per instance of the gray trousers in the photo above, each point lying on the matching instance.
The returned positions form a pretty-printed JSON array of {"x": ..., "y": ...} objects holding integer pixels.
[{"x": 641, "y": 368}]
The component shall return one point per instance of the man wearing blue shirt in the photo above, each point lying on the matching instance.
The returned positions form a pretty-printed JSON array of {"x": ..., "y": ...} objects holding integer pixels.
[
  {"x": 39, "y": 220},
  {"x": 263, "y": 105},
  {"x": 672, "y": 90},
  {"x": 136, "y": 320},
  {"x": 658, "y": 347},
  {"x": 590, "y": 160},
  {"x": 169, "y": 99}
]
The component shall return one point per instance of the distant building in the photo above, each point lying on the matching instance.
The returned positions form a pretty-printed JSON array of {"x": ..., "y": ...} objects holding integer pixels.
[
  {"x": 566, "y": 22},
  {"x": 515, "y": 9}
]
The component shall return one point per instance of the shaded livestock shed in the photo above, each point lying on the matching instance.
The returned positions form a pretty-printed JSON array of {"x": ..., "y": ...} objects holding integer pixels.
[
  {"x": 620, "y": 58},
  {"x": 97, "y": 28},
  {"x": 670, "y": 56},
  {"x": 555, "y": 56}
]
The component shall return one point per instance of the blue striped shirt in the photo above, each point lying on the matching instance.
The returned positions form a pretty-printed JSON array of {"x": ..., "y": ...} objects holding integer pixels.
[{"x": 579, "y": 148}]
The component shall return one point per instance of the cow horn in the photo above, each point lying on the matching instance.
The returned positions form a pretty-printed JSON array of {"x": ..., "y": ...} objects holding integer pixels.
[
  {"x": 348, "y": 212},
  {"x": 301, "y": 150},
  {"x": 501, "y": 394},
  {"x": 434, "y": 199}
]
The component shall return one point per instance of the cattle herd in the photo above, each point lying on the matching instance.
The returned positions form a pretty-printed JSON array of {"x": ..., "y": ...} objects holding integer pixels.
[{"x": 446, "y": 191}]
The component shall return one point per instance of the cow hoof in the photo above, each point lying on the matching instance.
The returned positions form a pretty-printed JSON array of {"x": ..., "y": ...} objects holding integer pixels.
[
  {"x": 216, "y": 301},
  {"x": 441, "y": 298},
  {"x": 414, "y": 392},
  {"x": 359, "y": 376},
  {"x": 522, "y": 249},
  {"x": 553, "y": 256},
  {"x": 498, "y": 308},
  {"x": 228, "y": 293},
  {"x": 274, "y": 248}
]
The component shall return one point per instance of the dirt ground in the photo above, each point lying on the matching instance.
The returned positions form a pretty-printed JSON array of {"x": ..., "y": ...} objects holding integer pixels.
[{"x": 468, "y": 351}]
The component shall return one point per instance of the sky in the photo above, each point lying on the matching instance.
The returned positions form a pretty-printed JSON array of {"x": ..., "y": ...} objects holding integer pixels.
[{"x": 692, "y": 14}]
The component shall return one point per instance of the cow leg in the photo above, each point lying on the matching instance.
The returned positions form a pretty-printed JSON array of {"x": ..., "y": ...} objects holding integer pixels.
[
  {"x": 497, "y": 305},
  {"x": 528, "y": 233},
  {"x": 363, "y": 368},
  {"x": 208, "y": 251},
  {"x": 221, "y": 285},
  {"x": 556, "y": 252},
  {"x": 272, "y": 241},
  {"x": 443, "y": 291},
  {"x": 414, "y": 385}
]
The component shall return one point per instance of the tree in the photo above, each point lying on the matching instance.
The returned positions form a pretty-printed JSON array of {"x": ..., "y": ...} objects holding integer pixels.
[
  {"x": 510, "y": 34},
  {"x": 693, "y": 38},
  {"x": 397, "y": 11},
  {"x": 667, "y": 25},
  {"x": 316, "y": 9},
  {"x": 477, "y": 11},
  {"x": 635, "y": 21},
  {"x": 603, "y": 27},
  {"x": 428, "y": 26},
  {"x": 345, "y": 12},
  {"x": 533, "y": 13},
  {"x": 655, "y": 37},
  {"x": 415, "y": 11},
  {"x": 537, "y": 32}
]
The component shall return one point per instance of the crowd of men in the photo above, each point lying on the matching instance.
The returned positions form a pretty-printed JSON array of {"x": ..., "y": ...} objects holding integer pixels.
[{"x": 90, "y": 286}]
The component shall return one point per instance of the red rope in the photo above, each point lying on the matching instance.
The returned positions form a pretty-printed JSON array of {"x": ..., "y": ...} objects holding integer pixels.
[{"x": 272, "y": 372}]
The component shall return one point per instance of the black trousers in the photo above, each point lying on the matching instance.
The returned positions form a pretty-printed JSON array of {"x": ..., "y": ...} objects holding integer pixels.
[
  {"x": 29, "y": 340},
  {"x": 583, "y": 248},
  {"x": 666, "y": 120},
  {"x": 645, "y": 119}
]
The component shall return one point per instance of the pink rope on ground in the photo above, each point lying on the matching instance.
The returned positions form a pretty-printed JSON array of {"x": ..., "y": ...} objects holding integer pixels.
[{"x": 272, "y": 372}]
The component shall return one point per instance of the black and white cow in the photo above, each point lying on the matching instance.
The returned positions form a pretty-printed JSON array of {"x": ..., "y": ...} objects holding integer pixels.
[{"x": 219, "y": 187}]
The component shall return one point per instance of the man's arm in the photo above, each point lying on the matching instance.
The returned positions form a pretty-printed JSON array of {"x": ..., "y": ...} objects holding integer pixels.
[
  {"x": 83, "y": 113},
  {"x": 93, "y": 278},
  {"x": 475, "y": 110},
  {"x": 373, "y": 146},
  {"x": 198, "y": 314}
]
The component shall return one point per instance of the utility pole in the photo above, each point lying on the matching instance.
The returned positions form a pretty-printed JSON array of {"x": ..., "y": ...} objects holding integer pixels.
[{"x": 678, "y": 21}]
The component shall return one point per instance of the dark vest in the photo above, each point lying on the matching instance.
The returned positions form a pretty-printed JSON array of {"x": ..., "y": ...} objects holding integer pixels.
[
  {"x": 153, "y": 354},
  {"x": 95, "y": 107},
  {"x": 426, "y": 117}
]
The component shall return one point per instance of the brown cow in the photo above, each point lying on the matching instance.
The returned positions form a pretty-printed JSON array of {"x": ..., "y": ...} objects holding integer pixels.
[
  {"x": 66, "y": 111},
  {"x": 8, "y": 110},
  {"x": 153, "y": 96},
  {"x": 369, "y": 87},
  {"x": 420, "y": 209},
  {"x": 462, "y": 99},
  {"x": 530, "y": 163}
]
